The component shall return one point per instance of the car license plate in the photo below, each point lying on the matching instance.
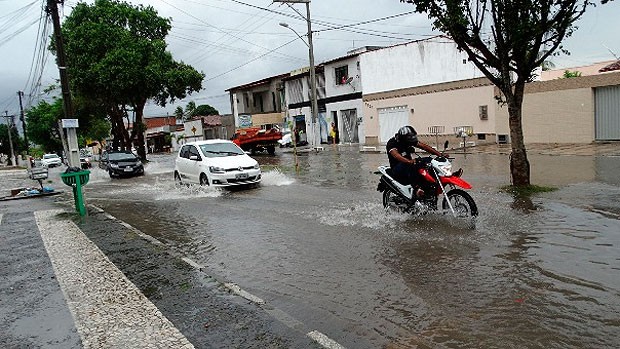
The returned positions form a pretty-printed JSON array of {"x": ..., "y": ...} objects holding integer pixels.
[
  {"x": 241, "y": 176},
  {"x": 128, "y": 169}
]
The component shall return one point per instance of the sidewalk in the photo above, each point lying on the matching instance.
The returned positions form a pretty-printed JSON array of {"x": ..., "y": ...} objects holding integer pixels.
[{"x": 99, "y": 283}]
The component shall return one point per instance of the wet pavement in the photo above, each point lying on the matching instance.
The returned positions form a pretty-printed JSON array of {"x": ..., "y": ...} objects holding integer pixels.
[{"x": 316, "y": 247}]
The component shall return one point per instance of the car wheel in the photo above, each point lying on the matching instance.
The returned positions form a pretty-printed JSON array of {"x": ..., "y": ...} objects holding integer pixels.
[
  {"x": 203, "y": 179},
  {"x": 111, "y": 173}
]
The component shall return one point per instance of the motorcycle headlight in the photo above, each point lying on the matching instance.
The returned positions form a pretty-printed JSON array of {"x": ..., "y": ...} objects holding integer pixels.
[{"x": 215, "y": 169}]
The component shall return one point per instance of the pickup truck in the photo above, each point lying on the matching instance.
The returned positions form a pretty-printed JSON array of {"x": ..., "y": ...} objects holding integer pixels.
[{"x": 255, "y": 139}]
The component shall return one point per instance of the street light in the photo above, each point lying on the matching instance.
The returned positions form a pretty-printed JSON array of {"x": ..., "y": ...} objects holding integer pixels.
[
  {"x": 314, "y": 104},
  {"x": 285, "y": 25}
]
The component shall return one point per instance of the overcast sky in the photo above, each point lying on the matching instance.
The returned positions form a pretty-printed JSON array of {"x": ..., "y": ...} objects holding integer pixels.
[{"x": 236, "y": 42}]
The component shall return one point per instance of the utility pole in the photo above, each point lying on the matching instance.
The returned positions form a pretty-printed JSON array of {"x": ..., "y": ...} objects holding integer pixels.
[
  {"x": 314, "y": 108},
  {"x": 20, "y": 94},
  {"x": 9, "y": 123},
  {"x": 52, "y": 9}
]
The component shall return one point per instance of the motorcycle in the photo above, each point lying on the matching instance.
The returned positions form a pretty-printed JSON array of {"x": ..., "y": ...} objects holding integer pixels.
[{"x": 440, "y": 180}]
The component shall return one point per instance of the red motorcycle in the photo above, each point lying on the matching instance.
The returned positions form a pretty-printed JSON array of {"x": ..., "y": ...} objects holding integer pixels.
[{"x": 440, "y": 180}]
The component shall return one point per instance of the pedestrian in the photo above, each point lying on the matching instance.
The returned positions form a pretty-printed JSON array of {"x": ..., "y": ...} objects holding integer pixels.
[{"x": 332, "y": 133}]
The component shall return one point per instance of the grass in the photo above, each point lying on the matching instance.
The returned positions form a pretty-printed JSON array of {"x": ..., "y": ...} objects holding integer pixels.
[{"x": 526, "y": 191}]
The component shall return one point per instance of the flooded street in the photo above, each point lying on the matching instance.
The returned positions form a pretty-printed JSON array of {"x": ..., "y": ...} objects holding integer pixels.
[{"x": 316, "y": 244}]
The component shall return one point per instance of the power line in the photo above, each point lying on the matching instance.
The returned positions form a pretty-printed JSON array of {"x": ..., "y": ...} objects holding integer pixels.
[{"x": 250, "y": 61}]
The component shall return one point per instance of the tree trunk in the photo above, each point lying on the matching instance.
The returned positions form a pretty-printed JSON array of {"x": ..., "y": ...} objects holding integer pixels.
[
  {"x": 519, "y": 164},
  {"x": 139, "y": 128},
  {"x": 119, "y": 131}
]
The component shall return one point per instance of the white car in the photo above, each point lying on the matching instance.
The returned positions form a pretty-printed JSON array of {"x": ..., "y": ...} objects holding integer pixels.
[
  {"x": 215, "y": 162},
  {"x": 51, "y": 160}
]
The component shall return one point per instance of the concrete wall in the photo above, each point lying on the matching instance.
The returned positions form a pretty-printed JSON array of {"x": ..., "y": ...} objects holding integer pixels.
[
  {"x": 333, "y": 89},
  {"x": 449, "y": 105},
  {"x": 414, "y": 64}
]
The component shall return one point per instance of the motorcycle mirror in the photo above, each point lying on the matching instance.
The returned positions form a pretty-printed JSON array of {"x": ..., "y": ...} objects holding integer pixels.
[{"x": 445, "y": 145}]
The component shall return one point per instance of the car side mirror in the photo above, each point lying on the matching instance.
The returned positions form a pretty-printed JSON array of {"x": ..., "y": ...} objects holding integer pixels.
[{"x": 193, "y": 157}]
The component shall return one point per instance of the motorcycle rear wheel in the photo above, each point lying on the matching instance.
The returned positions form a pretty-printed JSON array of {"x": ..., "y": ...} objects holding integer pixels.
[
  {"x": 463, "y": 204},
  {"x": 390, "y": 202}
]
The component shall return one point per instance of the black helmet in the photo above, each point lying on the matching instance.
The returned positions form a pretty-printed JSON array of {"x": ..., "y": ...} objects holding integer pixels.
[{"x": 407, "y": 136}]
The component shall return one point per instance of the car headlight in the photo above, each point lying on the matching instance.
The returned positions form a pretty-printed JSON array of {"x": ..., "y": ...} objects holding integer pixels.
[
  {"x": 215, "y": 169},
  {"x": 114, "y": 165},
  {"x": 256, "y": 166}
]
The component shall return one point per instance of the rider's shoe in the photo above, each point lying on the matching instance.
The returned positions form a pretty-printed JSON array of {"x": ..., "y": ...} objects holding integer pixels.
[
  {"x": 458, "y": 173},
  {"x": 419, "y": 193}
]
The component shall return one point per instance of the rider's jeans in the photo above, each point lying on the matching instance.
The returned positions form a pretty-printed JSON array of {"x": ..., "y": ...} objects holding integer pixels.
[{"x": 407, "y": 174}]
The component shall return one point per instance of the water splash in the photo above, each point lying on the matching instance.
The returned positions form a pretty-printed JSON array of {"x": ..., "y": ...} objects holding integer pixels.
[
  {"x": 275, "y": 178},
  {"x": 156, "y": 167}
]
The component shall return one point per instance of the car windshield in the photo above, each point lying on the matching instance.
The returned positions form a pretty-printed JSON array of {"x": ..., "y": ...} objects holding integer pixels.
[
  {"x": 220, "y": 149},
  {"x": 122, "y": 157},
  {"x": 50, "y": 156}
]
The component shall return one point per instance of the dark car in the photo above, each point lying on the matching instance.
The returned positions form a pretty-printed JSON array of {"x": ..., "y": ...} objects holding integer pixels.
[{"x": 121, "y": 163}]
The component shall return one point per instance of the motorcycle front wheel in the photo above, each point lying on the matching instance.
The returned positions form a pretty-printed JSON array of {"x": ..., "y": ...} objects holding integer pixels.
[{"x": 462, "y": 203}]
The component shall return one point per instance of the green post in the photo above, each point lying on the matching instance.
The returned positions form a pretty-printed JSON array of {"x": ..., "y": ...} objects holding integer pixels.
[{"x": 76, "y": 180}]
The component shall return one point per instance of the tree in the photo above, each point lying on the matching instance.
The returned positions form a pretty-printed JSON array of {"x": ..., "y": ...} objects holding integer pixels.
[
  {"x": 116, "y": 57},
  {"x": 18, "y": 142},
  {"x": 504, "y": 39},
  {"x": 571, "y": 74},
  {"x": 42, "y": 125},
  {"x": 205, "y": 109},
  {"x": 179, "y": 113},
  {"x": 190, "y": 109}
]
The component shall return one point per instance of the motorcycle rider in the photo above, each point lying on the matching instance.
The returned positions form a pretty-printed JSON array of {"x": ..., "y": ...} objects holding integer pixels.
[{"x": 404, "y": 167}]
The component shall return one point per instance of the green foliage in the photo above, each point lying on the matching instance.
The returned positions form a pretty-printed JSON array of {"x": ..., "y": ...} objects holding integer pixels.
[
  {"x": 190, "y": 109},
  {"x": 179, "y": 113},
  {"x": 116, "y": 57},
  {"x": 18, "y": 142},
  {"x": 43, "y": 130},
  {"x": 571, "y": 74},
  {"x": 42, "y": 125},
  {"x": 205, "y": 109},
  {"x": 527, "y": 190}
]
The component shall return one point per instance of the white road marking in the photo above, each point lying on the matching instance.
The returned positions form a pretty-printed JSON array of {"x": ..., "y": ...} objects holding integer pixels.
[
  {"x": 237, "y": 290},
  {"x": 323, "y": 340},
  {"x": 108, "y": 309},
  {"x": 192, "y": 263},
  {"x": 280, "y": 315}
]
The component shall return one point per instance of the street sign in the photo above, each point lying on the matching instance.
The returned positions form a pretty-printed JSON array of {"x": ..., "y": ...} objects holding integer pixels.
[{"x": 70, "y": 123}]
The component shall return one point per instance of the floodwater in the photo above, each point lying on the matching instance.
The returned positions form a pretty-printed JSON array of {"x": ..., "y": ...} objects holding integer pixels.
[{"x": 315, "y": 243}]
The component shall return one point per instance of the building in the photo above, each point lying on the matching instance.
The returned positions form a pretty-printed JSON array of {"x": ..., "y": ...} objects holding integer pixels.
[
  {"x": 259, "y": 103},
  {"x": 158, "y": 133}
]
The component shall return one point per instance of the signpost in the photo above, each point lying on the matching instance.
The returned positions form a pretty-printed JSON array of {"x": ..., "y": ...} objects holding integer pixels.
[{"x": 73, "y": 156}]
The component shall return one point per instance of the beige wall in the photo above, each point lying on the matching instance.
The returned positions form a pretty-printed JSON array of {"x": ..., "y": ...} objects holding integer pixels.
[
  {"x": 270, "y": 118},
  {"x": 448, "y": 107},
  {"x": 562, "y": 116}
]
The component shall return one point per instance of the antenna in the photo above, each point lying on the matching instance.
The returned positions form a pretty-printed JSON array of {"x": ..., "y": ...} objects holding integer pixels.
[{"x": 612, "y": 52}]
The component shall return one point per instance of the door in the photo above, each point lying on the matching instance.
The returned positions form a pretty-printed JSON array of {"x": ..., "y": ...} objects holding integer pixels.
[
  {"x": 390, "y": 120},
  {"x": 194, "y": 168},
  {"x": 607, "y": 113},
  {"x": 349, "y": 121}
]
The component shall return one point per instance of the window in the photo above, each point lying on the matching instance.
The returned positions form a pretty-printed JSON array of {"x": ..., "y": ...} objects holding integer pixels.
[
  {"x": 184, "y": 152},
  {"x": 482, "y": 136},
  {"x": 342, "y": 74},
  {"x": 194, "y": 152},
  {"x": 483, "y": 112}
]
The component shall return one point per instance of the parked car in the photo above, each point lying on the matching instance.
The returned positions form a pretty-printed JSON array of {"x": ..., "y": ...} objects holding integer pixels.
[
  {"x": 215, "y": 162},
  {"x": 51, "y": 160},
  {"x": 121, "y": 164}
]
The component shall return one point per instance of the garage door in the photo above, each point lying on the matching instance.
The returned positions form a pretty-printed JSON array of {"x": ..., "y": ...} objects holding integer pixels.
[
  {"x": 607, "y": 120},
  {"x": 390, "y": 120}
]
